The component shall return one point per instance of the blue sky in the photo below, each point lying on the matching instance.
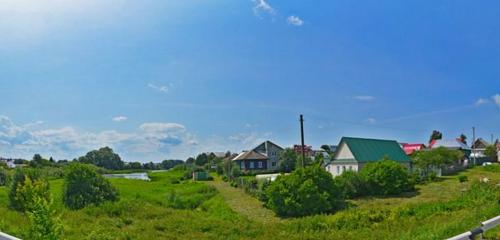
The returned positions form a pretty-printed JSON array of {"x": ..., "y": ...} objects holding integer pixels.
[{"x": 169, "y": 79}]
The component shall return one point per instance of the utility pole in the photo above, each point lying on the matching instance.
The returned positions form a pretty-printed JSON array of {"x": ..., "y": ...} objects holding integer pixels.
[
  {"x": 302, "y": 139},
  {"x": 473, "y": 144}
]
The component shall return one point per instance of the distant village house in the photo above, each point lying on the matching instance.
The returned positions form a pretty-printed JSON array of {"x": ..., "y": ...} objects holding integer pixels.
[
  {"x": 263, "y": 157},
  {"x": 353, "y": 153}
]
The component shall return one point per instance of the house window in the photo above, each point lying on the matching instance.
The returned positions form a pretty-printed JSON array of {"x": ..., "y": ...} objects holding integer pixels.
[
  {"x": 251, "y": 165},
  {"x": 242, "y": 165},
  {"x": 261, "y": 165},
  {"x": 273, "y": 164}
]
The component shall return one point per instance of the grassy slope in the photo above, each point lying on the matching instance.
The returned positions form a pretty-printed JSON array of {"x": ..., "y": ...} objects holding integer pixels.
[{"x": 143, "y": 213}]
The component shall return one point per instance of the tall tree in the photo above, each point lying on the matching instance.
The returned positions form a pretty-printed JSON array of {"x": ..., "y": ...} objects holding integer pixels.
[
  {"x": 491, "y": 152},
  {"x": 288, "y": 160},
  {"x": 436, "y": 135},
  {"x": 201, "y": 159},
  {"x": 463, "y": 138},
  {"x": 104, "y": 157}
]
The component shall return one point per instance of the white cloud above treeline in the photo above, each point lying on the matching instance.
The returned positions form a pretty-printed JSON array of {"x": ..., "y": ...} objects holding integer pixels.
[{"x": 150, "y": 141}]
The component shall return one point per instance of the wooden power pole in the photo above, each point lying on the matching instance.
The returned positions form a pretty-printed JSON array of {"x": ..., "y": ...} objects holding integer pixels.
[{"x": 302, "y": 139}]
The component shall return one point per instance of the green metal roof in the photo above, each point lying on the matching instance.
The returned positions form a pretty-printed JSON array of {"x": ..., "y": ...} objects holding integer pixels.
[{"x": 370, "y": 150}]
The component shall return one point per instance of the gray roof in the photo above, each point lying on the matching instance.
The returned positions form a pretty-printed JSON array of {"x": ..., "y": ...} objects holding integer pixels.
[
  {"x": 250, "y": 155},
  {"x": 451, "y": 143}
]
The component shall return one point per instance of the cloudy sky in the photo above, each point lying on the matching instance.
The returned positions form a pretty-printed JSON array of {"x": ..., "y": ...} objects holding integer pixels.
[{"x": 168, "y": 79}]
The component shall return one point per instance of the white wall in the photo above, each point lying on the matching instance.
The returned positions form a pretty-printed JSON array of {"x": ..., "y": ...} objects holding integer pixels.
[
  {"x": 343, "y": 152},
  {"x": 338, "y": 168}
]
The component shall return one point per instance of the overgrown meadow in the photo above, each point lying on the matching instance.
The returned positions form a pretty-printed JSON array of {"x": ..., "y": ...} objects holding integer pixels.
[{"x": 171, "y": 208}]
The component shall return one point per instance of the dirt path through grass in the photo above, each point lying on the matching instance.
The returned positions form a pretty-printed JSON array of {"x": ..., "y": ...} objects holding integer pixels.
[{"x": 243, "y": 203}]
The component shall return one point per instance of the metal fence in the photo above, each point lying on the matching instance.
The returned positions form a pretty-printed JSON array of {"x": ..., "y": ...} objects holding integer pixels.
[
  {"x": 485, "y": 226},
  {"x": 4, "y": 236}
]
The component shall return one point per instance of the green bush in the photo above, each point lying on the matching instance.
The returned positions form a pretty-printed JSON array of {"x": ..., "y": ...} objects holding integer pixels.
[
  {"x": 83, "y": 186},
  {"x": 25, "y": 186},
  {"x": 4, "y": 176},
  {"x": 28, "y": 192},
  {"x": 386, "y": 177},
  {"x": 44, "y": 224},
  {"x": 305, "y": 191},
  {"x": 351, "y": 185},
  {"x": 462, "y": 178}
]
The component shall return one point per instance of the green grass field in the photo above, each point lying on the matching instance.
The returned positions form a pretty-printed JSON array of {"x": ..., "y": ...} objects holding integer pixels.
[{"x": 161, "y": 209}]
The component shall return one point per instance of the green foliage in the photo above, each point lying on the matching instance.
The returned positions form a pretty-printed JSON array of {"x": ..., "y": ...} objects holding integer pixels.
[
  {"x": 201, "y": 159},
  {"x": 462, "y": 178},
  {"x": 4, "y": 177},
  {"x": 235, "y": 171},
  {"x": 38, "y": 161},
  {"x": 305, "y": 191},
  {"x": 191, "y": 199},
  {"x": 168, "y": 164},
  {"x": 351, "y": 185},
  {"x": 83, "y": 186},
  {"x": 386, "y": 177},
  {"x": 436, "y": 135},
  {"x": 288, "y": 160},
  {"x": 327, "y": 149},
  {"x": 25, "y": 186},
  {"x": 492, "y": 168},
  {"x": 104, "y": 157},
  {"x": 491, "y": 152},
  {"x": 29, "y": 191},
  {"x": 44, "y": 224},
  {"x": 437, "y": 157},
  {"x": 319, "y": 159}
]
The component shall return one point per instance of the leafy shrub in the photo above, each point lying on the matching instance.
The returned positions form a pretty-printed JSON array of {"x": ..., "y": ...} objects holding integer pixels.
[
  {"x": 44, "y": 224},
  {"x": 28, "y": 193},
  {"x": 386, "y": 177},
  {"x": 462, "y": 178},
  {"x": 305, "y": 191},
  {"x": 351, "y": 185},
  {"x": 25, "y": 186},
  {"x": 83, "y": 186},
  {"x": 4, "y": 176}
]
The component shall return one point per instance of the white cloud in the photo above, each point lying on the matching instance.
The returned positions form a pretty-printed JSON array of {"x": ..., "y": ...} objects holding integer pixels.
[
  {"x": 365, "y": 98},
  {"x": 120, "y": 119},
  {"x": 151, "y": 141},
  {"x": 295, "y": 20},
  {"x": 371, "y": 120},
  {"x": 482, "y": 101},
  {"x": 496, "y": 99},
  {"x": 163, "y": 89},
  {"x": 262, "y": 6},
  {"x": 161, "y": 127}
]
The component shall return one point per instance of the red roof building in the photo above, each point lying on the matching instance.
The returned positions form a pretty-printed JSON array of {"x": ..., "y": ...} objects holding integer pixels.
[{"x": 409, "y": 148}]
